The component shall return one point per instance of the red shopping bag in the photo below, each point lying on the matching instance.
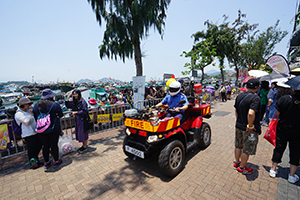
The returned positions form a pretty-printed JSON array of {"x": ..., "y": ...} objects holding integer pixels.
[{"x": 270, "y": 134}]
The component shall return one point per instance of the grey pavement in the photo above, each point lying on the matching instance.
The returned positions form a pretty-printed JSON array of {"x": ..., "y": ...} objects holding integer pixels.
[
  {"x": 104, "y": 172},
  {"x": 287, "y": 190}
]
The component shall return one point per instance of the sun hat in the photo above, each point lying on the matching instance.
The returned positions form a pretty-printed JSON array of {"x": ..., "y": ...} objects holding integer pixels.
[
  {"x": 92, "y": 101},
  {"x": 253, "y": 83},
  {"x": 25, "y": 100},
  {"x": 47, "y": 93}
]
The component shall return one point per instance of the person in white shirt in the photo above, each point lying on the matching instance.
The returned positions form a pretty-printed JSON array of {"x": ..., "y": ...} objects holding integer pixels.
[{"x": 24, "y": 118}]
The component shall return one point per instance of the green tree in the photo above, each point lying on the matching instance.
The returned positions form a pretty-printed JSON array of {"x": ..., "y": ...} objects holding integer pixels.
[
  {"x": 220, "y": 36},
  {"x": 127, "y": 23},
  {"x": 260, "y": 46},
  {"x": 202, "y": 55},
  {"x": 239, "y": 31}
]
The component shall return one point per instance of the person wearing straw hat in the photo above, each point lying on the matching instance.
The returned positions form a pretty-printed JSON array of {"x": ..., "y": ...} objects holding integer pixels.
[
  {"x": 24, "y": 118},
  {"x": 288, "y": 130},
  {"x": 49, "y": 140}
]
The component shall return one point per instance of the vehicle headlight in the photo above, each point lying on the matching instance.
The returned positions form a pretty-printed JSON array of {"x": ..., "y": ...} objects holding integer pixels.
[
  {"x": 128, "y": 131},
  {"x": 152, "y": 138}
]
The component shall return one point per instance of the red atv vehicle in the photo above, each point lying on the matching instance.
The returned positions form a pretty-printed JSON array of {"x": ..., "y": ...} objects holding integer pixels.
[{"x": 148, "y": 131}]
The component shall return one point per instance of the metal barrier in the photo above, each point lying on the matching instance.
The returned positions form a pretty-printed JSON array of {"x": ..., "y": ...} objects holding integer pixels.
[
  {"x": 103, "y": 117},
  {"x": 10, "y": 143},
  {"x": 146, "y": 103}
]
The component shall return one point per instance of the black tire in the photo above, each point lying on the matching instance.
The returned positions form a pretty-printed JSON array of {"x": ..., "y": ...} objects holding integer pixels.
[
  {"x": 125, "y": 142},
  {"x": 205, "y": 136},
  {"x": 171, "y": 158}
]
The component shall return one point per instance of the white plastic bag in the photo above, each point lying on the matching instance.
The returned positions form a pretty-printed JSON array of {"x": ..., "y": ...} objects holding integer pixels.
[{"x": 65, "y": 144}]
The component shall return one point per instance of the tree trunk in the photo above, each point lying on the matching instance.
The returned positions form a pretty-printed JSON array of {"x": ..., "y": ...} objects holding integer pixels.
[
  {"x": 202, "y": 78},
  {"x": 138, "y": 55},
  {"x": 221, "y": 69},
  {"x": 237, "y": 75}
]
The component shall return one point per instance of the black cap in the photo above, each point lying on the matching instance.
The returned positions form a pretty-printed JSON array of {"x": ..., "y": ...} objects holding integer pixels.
[{"x": 252, "y": 83}]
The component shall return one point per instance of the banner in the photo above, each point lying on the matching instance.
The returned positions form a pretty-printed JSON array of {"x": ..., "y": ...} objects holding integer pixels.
[
  {"x": 4, "y": 136},
  {"x": 117, "y": 116},
  {"x": 279, "y": 64},
  {"x": 138, "y": 90},
  {"x": 206, "y": 96},
  {"x": 245, "y": 72},
  {"x": 240, "y": 73},
  {"x": 101, "y": 118}
]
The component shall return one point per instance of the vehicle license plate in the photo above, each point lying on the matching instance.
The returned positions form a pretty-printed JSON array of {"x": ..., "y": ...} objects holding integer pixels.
[{"x": 134, "y": 151}]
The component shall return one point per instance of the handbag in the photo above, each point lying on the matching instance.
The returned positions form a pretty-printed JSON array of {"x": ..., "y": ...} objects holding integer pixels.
[
  {"x": 87, "y": 123},
  {"x": 270, "y": 134}
]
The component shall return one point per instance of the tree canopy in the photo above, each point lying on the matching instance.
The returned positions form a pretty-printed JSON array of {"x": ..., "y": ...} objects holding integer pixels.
[
  {"x": 240, "y": 42},
  {"x": 127, "y": 23},
  {"x": 260, "y": 46},
  {"x": 202, "y": 55}
]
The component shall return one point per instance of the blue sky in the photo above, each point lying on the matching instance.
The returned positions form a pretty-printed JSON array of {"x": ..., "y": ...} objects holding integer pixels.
[{"x": 58, "y": 40}]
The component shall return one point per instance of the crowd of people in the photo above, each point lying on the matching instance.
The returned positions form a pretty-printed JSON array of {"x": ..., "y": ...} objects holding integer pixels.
[
  {"x": 256, "y": 107},
  {"x": 30, "y": 118}
]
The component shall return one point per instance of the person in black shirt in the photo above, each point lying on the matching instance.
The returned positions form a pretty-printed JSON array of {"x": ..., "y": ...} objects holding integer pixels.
[
  {"x": 288, "y": 130},
  {"x": 247, "y": 107},
  {"x": 217, "y": 85}
]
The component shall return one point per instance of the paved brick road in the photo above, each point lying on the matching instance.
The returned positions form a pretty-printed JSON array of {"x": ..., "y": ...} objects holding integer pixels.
[{"x": 104, "y": 172}]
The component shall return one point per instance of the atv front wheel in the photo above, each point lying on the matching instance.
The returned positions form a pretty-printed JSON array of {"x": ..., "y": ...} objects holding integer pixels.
[
  {"x": 171, "y": 158},
  {"x": 205, "y": 136}
]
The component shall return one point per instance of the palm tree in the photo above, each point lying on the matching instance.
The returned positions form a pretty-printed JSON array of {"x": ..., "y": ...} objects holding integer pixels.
[{"x": 127, "y": 23}]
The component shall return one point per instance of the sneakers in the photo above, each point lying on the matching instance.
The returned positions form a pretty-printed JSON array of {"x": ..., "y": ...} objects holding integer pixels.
[
  {"x": 81, "y": 149},
  {"x": 49, "y": 164},
  {"x": 56, "y": 164},
  {"x": 273, "y": 173},
  {"x": 244, "y": 171},
  {"x": 293, "y": 179},
  {"x": 265, "y": 124},
  {"x": 236, "y": 165},
  {"x": 33, "y": 163}
]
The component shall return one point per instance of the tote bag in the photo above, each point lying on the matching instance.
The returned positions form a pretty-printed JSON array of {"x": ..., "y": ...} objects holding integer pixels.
[{"x": 270, "y": 134}]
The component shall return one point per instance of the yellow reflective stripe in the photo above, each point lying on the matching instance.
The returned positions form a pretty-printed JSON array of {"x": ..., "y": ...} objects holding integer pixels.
[
  {"x": 208, "y": 110},
  {"x": 170, "y": 124}
]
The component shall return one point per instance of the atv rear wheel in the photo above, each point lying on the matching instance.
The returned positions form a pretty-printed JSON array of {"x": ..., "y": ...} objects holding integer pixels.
[
  {"x": 171, "y": 158},
  {"x": 125, "y": 142},
  {"x": 205, "y": 136}
]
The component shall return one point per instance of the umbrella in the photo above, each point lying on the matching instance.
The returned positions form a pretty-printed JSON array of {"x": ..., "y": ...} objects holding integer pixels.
[
  {"x": 210, "y": 90},
  {"x": 296, "y": 71},
  {"x": 282, "y": 80},
  {"x": 257, "y": 73},
  {"x": 294, "y": 83},
  {"x": 270, "y": 77},
  {"x": 246, "y": 79}
]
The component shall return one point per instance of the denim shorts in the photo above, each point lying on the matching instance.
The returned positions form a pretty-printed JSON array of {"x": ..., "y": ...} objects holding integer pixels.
[{"x": 246, "y": 141}]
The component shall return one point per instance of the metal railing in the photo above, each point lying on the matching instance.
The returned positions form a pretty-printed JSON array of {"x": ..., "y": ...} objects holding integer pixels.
[
  {"x": 103, "y": 117},
  {"x": 146, "y": 103}
]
